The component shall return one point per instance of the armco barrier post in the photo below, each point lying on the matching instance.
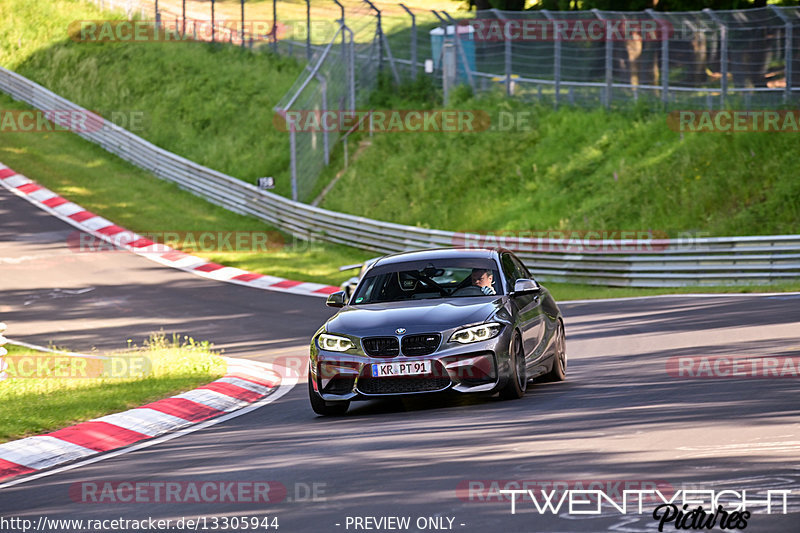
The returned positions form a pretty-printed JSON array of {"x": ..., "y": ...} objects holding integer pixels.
[{"x": 3, "y": 352}]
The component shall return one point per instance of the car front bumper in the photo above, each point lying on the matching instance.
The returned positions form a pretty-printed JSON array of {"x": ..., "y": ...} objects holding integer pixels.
[{"x": 464, "y": 368}]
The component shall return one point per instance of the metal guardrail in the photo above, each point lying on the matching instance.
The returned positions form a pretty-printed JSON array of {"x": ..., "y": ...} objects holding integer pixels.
[{"x": 675, "y": 262}]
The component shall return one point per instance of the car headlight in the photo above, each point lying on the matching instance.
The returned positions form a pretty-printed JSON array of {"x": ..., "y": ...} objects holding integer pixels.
[
  {"x": 334, "y": 343},
  {"x": 476, "y": 333}
]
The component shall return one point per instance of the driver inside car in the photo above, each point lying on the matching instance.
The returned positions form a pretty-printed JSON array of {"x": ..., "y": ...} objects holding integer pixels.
[{"x": 483, "y": 278}]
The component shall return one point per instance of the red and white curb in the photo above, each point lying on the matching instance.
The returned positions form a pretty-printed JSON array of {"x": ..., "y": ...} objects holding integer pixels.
[
  {"x": 109, "y": 232},
  {"x": 245, "y": 383}
]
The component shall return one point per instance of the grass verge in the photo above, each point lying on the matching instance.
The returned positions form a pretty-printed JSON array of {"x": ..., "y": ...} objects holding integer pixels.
[
  {"x": 573, "y": 170},
  {"x": 45, "y": 392},
  {"x": 137, "y": 200}
]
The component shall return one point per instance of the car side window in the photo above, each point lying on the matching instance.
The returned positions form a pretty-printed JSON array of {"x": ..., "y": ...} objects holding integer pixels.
[
  {"x": 520, "y": 269},
  {"x": 509, "y": 270}
]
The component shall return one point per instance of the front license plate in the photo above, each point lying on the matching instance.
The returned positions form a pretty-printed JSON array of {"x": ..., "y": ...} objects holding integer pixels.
[{"x": 406, "y": 368}]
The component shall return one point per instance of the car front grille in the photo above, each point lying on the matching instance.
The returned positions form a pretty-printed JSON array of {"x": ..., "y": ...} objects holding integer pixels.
[
  {"x": 420, "y": 344},
  {"x": 402, "y": 385},
  {"x": 381, "y": 346}
]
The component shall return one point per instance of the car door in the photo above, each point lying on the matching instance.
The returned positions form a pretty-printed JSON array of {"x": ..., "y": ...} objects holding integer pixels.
[
  {"x": 527, "y": 306},
  {"x": 538, "y": 324}
]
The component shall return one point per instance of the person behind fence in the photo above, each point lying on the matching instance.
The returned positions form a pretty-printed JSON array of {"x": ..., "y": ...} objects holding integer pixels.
[{"x": 483, "y": 278}]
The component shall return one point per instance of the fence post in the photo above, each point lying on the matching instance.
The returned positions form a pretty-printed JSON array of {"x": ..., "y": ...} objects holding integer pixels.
[
  {"x": 308, "y": 30},
  {"x": 351, "y": 60},
  {"x": 383, "y": 44},
  {"x": 325, "y": 143},
  {"x": 723, "y": 55},
  {"x": 609, "y": 58},
  {"x": 274, "y": 27},
  {"x": 380, "y": 35},
  {"x": 212, "y": 21},
  {"x": 787, "y": 54},
  {"x": 183, "y": 17},
  {"x": 664, "y": 29},
  {"x": 508, "y": 56},
  {"x": 449, "y": 68},
  {"x": 341, "y": 26},
  {"x": 413, "y": 42},
  {"x": 242, "y": 33},
  {"x": 460, "y": 50},
  {"x": 443, "y": 22},
  {"x": 349, "y": 54},
  {"x": 556, "y": 61},
  {"x": 293, "y": 151}
]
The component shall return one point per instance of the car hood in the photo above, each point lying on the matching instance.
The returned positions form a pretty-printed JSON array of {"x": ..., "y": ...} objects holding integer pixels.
[{"x": 420, "y": 316}]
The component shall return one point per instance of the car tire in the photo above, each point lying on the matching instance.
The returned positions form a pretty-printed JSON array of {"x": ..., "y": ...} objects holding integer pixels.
[
  {"x": 321, "y": 407},
  {"x": 559, "y": 370},
  {"x": 518, "y": 381}
]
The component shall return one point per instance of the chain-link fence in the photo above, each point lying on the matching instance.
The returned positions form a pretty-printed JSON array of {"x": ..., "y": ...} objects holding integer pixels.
[
  {"x": 691, "y": 60},
  {"x": 678, "y": 60}
]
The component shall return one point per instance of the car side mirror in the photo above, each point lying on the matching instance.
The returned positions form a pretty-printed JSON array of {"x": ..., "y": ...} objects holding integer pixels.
[
  {"x": 525, "y": 286},
  {"x": 337, "y": 299}
]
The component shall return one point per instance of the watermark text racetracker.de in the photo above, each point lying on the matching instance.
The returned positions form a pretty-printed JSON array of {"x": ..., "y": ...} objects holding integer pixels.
[
  {"x": 115, "y": 239},
  {"x": 171, "y": 30},
  {"x": 640, "y": 241},
  {"x": 566, "y": 30},
  {"x": 65, "y": 366},
  {"x": 46, "y": 524},
  {"x": 733, "y": 367},
  {"x": 441, "y": 121},
  {"x": 68, "y": 120},
  {"x": 202, "y": 492},
  {"x": 735, "y": 120}
]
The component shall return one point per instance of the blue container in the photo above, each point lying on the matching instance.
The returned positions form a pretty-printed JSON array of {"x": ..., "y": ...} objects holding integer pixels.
[{"x": 466, "y": 42}]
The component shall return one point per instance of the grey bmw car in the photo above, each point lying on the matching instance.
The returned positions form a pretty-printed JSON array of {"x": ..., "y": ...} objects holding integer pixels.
[{"x": 464, "y": 320}]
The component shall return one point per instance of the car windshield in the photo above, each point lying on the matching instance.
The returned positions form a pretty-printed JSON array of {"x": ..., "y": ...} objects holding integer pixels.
[{"x": 429, "y": 280}]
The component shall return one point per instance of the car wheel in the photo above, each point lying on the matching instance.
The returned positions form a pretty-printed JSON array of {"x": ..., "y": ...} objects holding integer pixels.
[
  {"x": 559, "y": 370},
  {"x": 518, "y": 382},
  {"x": 321, "y": 407}
]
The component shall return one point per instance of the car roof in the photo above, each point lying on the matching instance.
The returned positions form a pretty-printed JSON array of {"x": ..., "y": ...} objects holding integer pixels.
[{"x": 440, "y": 253}]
